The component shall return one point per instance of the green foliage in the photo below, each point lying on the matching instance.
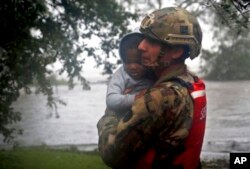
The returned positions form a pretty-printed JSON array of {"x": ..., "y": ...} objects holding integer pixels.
[
  {"x": 230, "y": 14},
  {"x": 37, "y": 33},
  {"x": 38, "y": 158},
  {"x": 231, "y": 62},
  {"x": 230, "y": 27}
]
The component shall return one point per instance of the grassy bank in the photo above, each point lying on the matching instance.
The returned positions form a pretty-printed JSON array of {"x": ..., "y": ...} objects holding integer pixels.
[
  {"x": 44, "y": 158},
  {"x": 41, "y": 158}
]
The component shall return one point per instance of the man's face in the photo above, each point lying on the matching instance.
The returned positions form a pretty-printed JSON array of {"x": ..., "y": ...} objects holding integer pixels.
[{"x": 150, "y": 50}]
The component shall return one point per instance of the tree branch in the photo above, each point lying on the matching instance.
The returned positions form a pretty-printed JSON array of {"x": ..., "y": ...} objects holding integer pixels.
[
  {"x": 233, "y": 2},
  {"x": 219, "y": 13}
]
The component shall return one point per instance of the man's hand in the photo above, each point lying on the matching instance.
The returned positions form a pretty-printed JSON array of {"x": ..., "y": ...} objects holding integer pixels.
[
  {"x": 127, "y": 91},
  {"x": 140, "y": 94}
]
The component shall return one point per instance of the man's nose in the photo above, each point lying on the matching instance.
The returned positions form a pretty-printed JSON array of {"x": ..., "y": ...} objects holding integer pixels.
[{"x": 142, "y": 45}]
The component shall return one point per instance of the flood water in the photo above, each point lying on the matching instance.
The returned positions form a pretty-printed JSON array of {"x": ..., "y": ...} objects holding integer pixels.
[{"x": 227, "y": 130}]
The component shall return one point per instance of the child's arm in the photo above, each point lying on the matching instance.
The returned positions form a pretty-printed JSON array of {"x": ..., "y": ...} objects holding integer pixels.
[{"x": 116, "y": 100}]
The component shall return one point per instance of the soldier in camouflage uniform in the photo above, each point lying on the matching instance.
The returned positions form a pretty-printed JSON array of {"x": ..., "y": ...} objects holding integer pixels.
[{"x": 165, "y": 127}]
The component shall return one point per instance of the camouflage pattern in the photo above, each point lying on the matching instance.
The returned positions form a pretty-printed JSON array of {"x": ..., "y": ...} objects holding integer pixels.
[
  {"x": 160, "y": 117},
  {"x": 174, "y": 26}
]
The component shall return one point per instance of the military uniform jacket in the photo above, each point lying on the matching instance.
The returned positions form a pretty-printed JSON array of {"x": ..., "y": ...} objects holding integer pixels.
[{"x": 160, "y": 119}]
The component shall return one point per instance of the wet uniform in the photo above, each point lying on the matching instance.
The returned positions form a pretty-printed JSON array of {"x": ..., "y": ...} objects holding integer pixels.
[{"x": 164, "y": 129}]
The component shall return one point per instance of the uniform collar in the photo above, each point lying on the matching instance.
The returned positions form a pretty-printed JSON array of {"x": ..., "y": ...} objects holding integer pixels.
[{"x": 172, "y": 71}]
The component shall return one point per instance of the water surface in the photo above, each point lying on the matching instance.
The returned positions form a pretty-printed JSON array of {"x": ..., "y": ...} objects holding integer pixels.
[{"x": 227, "y": 130}]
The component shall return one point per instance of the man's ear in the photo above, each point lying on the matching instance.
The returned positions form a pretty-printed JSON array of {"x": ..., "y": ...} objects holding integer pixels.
[{"x": 177, "y": 52}]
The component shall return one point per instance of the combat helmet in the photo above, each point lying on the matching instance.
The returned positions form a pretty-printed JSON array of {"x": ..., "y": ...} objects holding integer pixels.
[{"x": 174, "y": 26}]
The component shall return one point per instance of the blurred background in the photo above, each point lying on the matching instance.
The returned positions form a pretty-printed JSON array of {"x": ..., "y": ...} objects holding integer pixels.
[{"x": 57, "y": 55}]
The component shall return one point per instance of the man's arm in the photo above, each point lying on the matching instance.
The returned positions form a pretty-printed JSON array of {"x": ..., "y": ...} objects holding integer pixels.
[{"x": 159, "y": 111}]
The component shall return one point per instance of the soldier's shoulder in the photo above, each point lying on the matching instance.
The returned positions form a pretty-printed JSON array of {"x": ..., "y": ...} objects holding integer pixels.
[
  {"x": 180, "y": 87},
  {"x": 172, "y": 84}
]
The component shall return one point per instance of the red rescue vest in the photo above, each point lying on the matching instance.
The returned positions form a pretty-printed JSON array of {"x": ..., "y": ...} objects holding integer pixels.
[{"x": 190, "y": 158}]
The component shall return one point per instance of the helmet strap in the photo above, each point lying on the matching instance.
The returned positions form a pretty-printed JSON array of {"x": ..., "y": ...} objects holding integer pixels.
[
  {"x": 166, "y": 64},
  {"x": 161, "y": 63}
]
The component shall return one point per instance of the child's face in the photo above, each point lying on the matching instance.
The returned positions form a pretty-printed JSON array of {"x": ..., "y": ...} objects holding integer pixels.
[
  {"x": 135, "y": 70},
  {"x": 133, "y": 64}
]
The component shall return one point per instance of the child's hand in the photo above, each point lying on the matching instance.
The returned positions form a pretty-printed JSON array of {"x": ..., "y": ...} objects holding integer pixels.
[
  {"x": 127, "y": 91},
  {"x": 140, "y": 94}
]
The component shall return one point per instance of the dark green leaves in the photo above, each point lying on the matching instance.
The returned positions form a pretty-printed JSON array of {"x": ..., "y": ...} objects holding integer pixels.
[{"x": 37, "y": 33}]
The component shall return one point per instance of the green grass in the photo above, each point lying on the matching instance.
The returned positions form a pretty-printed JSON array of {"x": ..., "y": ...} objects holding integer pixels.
[
  {"x": 45, "y": 158},
  {"x": 41, "y": 158},
  {"x": 215, "y": 164}
]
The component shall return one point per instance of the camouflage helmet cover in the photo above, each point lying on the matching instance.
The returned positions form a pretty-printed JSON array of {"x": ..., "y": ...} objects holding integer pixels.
[{"x": 174, "y": 26}]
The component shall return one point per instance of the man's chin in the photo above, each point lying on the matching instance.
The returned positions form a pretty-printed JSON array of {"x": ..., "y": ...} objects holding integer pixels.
[
  {"x": 146, "y": 62},
  {"x": 150, "y": 64}
]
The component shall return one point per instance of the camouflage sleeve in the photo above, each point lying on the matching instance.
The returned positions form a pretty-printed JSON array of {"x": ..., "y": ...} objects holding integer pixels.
[
  {"x": 106, "y": 127},
  {"x": 160, "y": 110},
  {"x": 157, "y": 108}
]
